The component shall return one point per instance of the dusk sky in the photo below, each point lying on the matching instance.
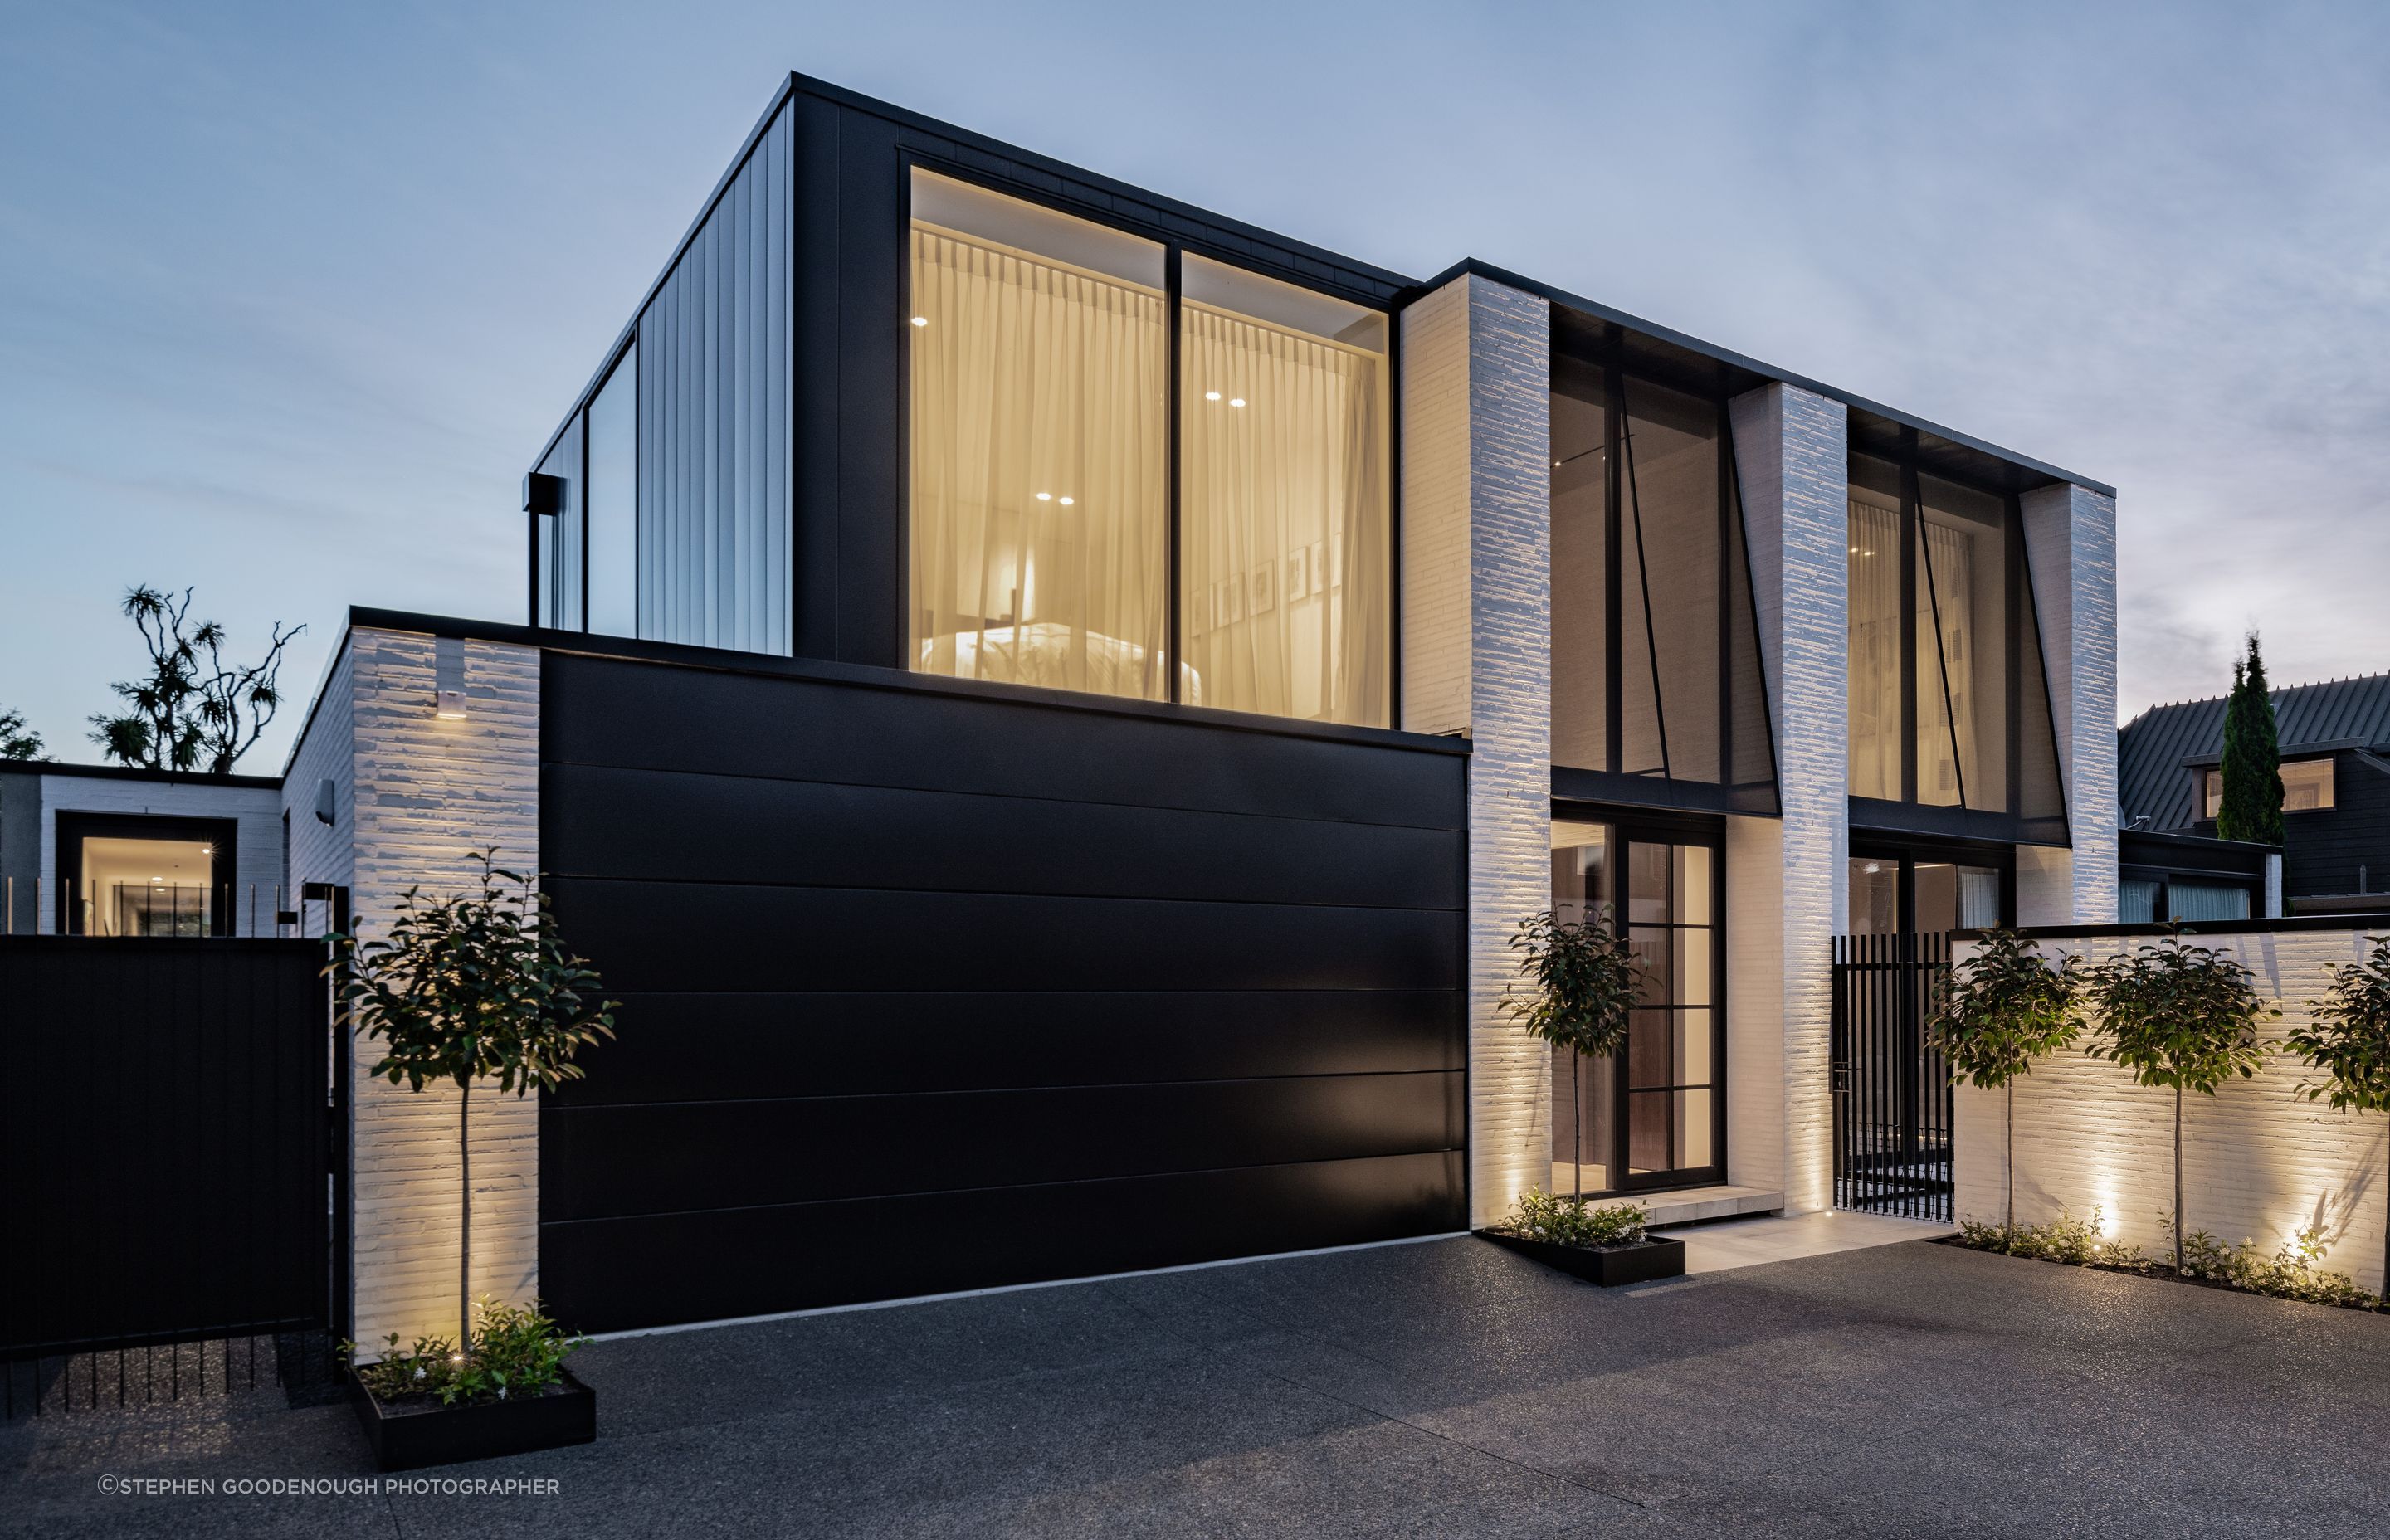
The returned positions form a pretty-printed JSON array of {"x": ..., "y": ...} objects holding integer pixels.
[{"x": 294, "y": 293}]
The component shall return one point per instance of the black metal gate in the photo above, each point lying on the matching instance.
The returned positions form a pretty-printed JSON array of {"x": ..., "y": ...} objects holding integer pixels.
[
  {"x": 167, "y": 1186},
  {"x": 1891, "y": 1095}
]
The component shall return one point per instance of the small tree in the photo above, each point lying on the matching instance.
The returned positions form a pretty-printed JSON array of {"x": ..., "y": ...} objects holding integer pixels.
[
  {"x": 2252, "y": 804},
  {"x": 18, "y": 742},
  {"x": 1995, "y": 1013},
  {"x": 2181, "y": 1016},
  {"x": 1581, "y": 978},
  {"x": 467, "y": 987},
  {"x": 193, "y": 711},
  {"x": 2347, "y": 1037}
]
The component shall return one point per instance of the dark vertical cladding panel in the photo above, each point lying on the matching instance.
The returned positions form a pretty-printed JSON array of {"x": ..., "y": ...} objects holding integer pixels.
[
  {"x": 814, "y": 372},
  {"x": 713, "y": 437},
  {"x": 873, "y": 202},
  {"x": 1099, "y": 989}
]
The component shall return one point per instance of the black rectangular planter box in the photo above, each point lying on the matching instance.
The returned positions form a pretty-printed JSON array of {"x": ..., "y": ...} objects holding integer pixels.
[
  {"x": 1653, "y": 1257},
  {"x": 409, "y": 1438}
]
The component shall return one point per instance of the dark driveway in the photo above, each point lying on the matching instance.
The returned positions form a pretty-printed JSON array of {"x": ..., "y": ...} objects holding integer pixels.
[{"x": 1446, "y": 1388}]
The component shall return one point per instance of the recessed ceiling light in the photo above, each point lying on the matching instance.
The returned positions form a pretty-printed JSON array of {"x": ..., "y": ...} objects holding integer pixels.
[
  {"x": 1045, "y": 496},
  {"x": 921, "y": 320},
  {"x": 1236, "y": 401},
  {"x": 1210, "y": 395},
  {"x": 1066, "y": 502}
]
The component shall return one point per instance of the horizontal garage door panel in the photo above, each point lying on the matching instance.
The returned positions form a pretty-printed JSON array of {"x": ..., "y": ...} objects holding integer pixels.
[
  {"x": 619, "y": 1161},
  {"x": 617, "y": 1274},
  {"x": 694, "y": 1047},
  {"x": 689, "y": 935},
  {"x": 663, "y": 825},
  {"x": 926, "y": 988},
  {"x": 620, "y": 712}
]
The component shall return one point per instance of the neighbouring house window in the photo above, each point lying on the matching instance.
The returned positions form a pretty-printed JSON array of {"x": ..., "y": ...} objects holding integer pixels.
[
  {"x": 2193, "y": 900},
  {"x": 1284, "y": 578},
  {"x": 1040, "y": 447},
  {"x": 2307, "y": 787},
  {"x": 2137, "y": 901},
  {"x": 611, "y": 498}
]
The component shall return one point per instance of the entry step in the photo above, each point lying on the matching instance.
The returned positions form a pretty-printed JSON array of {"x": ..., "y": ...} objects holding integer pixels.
[{"x": 1695, "y": 1204}]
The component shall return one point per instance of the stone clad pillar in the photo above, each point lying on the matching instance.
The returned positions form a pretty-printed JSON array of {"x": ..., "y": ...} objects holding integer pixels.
[
  {"x": 1787, "y": 878},
  {"x": 2070, "y": 547},
  {"x": 1476, "y": 534}
]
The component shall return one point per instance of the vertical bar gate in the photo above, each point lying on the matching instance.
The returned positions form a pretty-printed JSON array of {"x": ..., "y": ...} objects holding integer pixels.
[{"x": 1893, "y": 1100}]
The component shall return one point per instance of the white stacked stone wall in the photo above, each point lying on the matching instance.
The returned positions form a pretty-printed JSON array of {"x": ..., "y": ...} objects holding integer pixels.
[
  {"x": 415, "y": 794},
  {"x": 2259, "y": 1161},
  {"x": 1786, "y": 879},
  {"x": 1477, "y": 660},
  {"x": 2070, "y": 541}
]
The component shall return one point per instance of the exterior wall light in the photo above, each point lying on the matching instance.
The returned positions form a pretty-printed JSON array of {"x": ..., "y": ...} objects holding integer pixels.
[{"x": 448, "y": 676}]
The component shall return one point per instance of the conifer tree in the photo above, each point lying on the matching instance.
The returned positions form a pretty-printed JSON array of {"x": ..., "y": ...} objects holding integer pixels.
[{"x": 2252, "y": 762}]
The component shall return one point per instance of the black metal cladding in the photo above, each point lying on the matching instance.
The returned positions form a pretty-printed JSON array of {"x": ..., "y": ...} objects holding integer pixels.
[
  {"x": 177, "y": 1198},
  {"x": 928, "y": 987}
]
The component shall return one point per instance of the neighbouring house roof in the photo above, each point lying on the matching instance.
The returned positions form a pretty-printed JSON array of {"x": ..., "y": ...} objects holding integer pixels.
[{"x": 2154, "y": 749}]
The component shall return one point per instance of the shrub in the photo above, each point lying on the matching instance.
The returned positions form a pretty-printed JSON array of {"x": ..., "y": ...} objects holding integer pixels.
[
  {"x": 514, "y": 1351},
  {"x": 2347, "y": 1039},
  {"x": 1565, "y": 1221},
  {"x": 1995, "y": 1013},
  {"x": 2077, "y": 1242},
  {"x": 1577, "y": 982}
]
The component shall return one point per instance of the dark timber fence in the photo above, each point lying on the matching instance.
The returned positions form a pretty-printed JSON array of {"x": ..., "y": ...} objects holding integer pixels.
[
  {"x": 166, "y": 1168},
  {"x": 1891, "y": 1093}
]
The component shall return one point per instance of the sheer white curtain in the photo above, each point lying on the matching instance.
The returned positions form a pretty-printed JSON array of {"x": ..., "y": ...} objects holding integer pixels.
[
  {"x": 1875, "y": 623},
  {"x": 1946, "y": 664},
  {"x": 1040, "y": 470},
  {"x": 1283, "y": 519}
]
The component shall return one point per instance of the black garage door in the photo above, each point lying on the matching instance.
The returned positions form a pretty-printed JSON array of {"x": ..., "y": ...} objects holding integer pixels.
[{"x": 926, "y": 989}]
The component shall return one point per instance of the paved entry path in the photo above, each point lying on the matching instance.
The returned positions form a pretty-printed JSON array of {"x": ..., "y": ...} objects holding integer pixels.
[{"x": 1440, "y": 1389}]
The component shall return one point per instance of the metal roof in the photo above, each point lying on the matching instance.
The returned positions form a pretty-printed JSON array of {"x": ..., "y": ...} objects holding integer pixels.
[{"x": 2153, "y": 748}]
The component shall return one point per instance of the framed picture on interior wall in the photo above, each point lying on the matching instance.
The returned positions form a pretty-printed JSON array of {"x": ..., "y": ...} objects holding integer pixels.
[
  {"x": 1227, "y": 602},
  {"x": 1263, "y": 584},
  {"x": 1298, "y": 573},
  {"x": 1321, "y": 579}
]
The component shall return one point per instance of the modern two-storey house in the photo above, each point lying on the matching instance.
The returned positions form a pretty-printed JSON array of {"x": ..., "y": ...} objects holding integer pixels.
[{"x": 1047, "y": 705}]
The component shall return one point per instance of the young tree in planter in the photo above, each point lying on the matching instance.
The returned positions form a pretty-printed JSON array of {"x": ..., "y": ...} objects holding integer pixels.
[
  {"x": 1995, "y": 1013},
  {"x": 470, "y": 987},
  {"x": 2347, "y": 1037},
  {"x": 2177, "y": 1015},
  {"x": 1581, "y": 978}
]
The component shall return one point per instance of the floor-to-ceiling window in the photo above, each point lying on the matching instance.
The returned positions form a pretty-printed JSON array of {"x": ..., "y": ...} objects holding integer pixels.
[
  {"x": 1947, "y": 703},
  {"x": 1651, "y": 1115},
  {"x": 1044, "y": 419},
  {"x": 1655, "y": 652}
]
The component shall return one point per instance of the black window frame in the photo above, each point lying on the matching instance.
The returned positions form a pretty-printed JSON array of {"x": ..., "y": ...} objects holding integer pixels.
[
  {"x": 1908, "y": 852},
  {"x": 1608, "y": 349},
  {"x": 1175, "y": 243},
  {"x": 1631, "y": 825},
  {"x": 1906, "y": 814}
]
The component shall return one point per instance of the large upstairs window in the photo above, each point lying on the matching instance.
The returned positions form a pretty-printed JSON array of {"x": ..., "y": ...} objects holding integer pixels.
[
  {"x": 1656, "y": 689},
  {"x": 1045, "y": 420},
  {"x": 1947, "y": 705}
]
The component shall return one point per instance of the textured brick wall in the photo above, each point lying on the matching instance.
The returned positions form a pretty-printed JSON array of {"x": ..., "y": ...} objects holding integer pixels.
[
  {"x": 1477, "y": 656},
  {"x": 2258, "y": 1162},
  {"x": 1785, "y": 886},
  {"x": 257, "y": 854},
  {"x": 2070, "y": 545},
  {"x": 416, "y": 792}
]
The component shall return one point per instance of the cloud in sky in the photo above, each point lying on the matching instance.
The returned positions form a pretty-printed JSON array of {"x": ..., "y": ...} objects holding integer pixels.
[{"x": 295, "y": 292}]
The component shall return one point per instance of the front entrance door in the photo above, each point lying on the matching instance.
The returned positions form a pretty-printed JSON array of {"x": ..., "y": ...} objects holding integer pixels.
[{"x": 1650, "y": 1116}]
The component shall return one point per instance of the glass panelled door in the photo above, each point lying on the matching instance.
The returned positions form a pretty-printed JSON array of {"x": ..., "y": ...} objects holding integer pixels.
[{"x": 1649, "y": 1116}]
